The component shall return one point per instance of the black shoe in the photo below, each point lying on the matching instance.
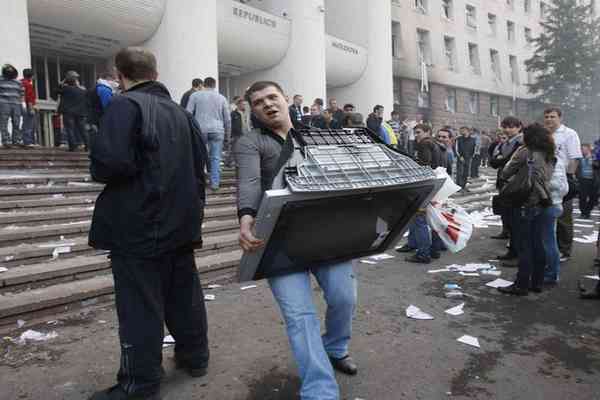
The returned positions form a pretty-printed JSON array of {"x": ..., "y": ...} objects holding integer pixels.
[
  {"x": 435, "y": 255},
  {"x": 501, "y": 236},
  {"x": 117, "y": 393},
  {"x": 588, "y": 294},
  {"x": 195, "y": 371},
  {"x": 536, "y": 289},
  {"x": 405, "y": 249},
  {"x": 418, "y": 259},
  {"x": 344, "y": 365},
  {"x": 514, "y": 290},
  {"x": 508, "y": 256}
]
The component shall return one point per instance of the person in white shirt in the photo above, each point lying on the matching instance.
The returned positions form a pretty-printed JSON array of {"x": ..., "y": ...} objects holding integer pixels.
[{"x": 568, "y": 153}]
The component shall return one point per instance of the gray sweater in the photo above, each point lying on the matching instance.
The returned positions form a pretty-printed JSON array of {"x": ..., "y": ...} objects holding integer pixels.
[
  {"x": 257, "y": 156},
  {"x": 211, "y": 110}
]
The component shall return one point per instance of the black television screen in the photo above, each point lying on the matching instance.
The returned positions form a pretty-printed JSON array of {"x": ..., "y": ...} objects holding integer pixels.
[{"x": 349, "y": 226}]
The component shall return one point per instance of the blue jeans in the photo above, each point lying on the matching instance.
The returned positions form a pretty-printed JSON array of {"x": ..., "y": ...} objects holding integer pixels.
[
  {"x": 548, "y": 221},
  {"x": 532, "y": 258},
  {"x": 419, "y": 237},
  {"x": 294, "y": 294},
  {"x": 10, "y": 112},
  {"x": 28, "y": 127},
  {"x": 214, "y": 143},
  {"x": 75, "y": 130}
]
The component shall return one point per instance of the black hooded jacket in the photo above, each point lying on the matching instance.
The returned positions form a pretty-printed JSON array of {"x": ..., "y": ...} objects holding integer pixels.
[{"x": 151, "y": 157}]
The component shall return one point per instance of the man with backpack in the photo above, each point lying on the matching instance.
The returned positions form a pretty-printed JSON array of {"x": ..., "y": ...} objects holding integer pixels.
[
  {"x": 149, "y": 153},
  {"x": 427, "y": 244}
]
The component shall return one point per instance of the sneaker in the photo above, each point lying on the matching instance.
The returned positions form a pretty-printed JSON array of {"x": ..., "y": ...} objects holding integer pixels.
[
  {"x": 405, "y": 249},
  {"x": 117, "y": 393},
  {"x": 418, "y": 259},
  {"x": 514, "y": 290}
]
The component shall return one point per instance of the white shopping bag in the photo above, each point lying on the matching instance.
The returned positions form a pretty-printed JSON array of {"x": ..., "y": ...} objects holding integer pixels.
[{"x": 452, "y": 224}]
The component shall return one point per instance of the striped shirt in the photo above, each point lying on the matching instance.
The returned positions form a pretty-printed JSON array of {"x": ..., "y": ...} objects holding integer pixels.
[{"x": 11, "y": 91}]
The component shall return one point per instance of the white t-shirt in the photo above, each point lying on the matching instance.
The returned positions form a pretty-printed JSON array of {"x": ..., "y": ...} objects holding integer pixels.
[{"x": 568, "y": 146}]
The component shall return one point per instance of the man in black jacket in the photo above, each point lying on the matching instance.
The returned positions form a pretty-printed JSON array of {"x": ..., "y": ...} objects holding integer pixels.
[
  {"x": 375, "y": 119},
  {"x": 427, "y": 244},
  {"x": 296, "y": 111},
  {"x": 465, "y": 151},
  {"x": 196, "y": 86},
  {"x": 151, "y": 157},
  {"x": 73, "y": 107}
]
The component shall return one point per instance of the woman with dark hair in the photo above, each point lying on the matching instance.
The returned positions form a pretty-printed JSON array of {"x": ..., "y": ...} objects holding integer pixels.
[
  {"x": 11, "y": 97},
  {"x": 534, "y": 161}
]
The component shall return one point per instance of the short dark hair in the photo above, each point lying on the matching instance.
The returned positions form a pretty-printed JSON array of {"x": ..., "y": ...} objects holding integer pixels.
[
  {"x": 296, "y": 96},
  {"x": 27, "y": 73},
  {"x": 511, "y": 122},
  {"x": 319, "y": 101},
  {"x": 348, "y": 105},
  {"x": 305, "y": 109},
  {"x": 210, "y": 82},
  {"x": 377, "y": 107},
  {"x": 464, "y": 127},
  {"x": 553, "y": 109},
  {"x": 538, "y": 138},
  {"x": 197, "y": 82},
  {"x": 395, "y": 113},
  {"x": 136, "y": 64},
  {"x": 260, "y": 85},
  {"x": 445, "y": 129},
  {"x": 423, "y": 127},
  {"x": 105, "y": 75},
  {"x": 9, "y": 72}
]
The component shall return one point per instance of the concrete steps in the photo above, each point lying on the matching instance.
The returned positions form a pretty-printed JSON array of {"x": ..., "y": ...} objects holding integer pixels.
[{"x": 46, "y": 208}]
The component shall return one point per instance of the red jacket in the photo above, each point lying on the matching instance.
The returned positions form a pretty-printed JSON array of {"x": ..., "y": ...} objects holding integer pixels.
[{"x": 29, "y": 91}]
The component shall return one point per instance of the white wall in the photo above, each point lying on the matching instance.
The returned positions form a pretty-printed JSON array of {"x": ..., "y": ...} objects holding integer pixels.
[
  {"x": 376, "y": 84},
  {"x": 185, "y": 44},
  {"x": 14, "y": 34},
  {"x": 302, "y": 70}
]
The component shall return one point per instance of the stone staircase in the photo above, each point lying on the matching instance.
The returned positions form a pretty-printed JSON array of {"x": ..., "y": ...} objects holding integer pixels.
[{"x": 46, "y": 205}]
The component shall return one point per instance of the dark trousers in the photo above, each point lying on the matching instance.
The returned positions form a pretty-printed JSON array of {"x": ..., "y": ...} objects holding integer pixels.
[
  {"x": 75, "y": 130},
  {"x": 475, "y": 163},
  {"x": 148, "y": 294},
  {"x": 513, "y": 216},
  {"x": 463, "y": 170},
  {"x": 532, "y": 259},
  {"x": 564, "y": 228},
  {"x": 506, "y": 222},
  {"x": 588, "y": 196}
]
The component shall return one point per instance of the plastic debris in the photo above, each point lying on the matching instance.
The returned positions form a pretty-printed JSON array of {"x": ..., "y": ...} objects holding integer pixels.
[
  {"x": 499, "y": 283},
  {"x": 209, "y": 297},
  {"x": 36, "y": 336},
  {"x": 213, "y": 286},
  {"x": 470, "y": 340},
  {"x": 60, "y": 250},
  {"x": 435, "y": 271},
  {"x": 248, "y": 287},
  {"x": 452, "y": 286},
  {"x": 380, "y": 257},
  {"x": 454, "y": 294},
  {"x": 416, "y": 313},
  {"x": 593, "y": 277},
  {"x": 9, "y": 258},
  {"x": 456, "y": 310},
  {"x": 20, "y": 323},
  {"x": 366, "y": 261},
  {"x": 469, "y": 273},
  {"x": 168, "y": 341}
]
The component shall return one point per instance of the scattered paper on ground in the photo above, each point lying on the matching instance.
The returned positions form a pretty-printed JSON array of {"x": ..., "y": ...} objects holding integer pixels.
[
  {"x": 168, "y": 341},
  {"x": 435, "y": 271},
  {"x": 469, "y": 273},
  {"x": 470, "y": 340},
  {"x": 3, "y": 269},
  {"x": 457, "y": 310},
  {"x": 454, "y": 294},
  {"x": 367, "y": 261},
  {"x": 594, "y": 277},
  {"x": 583, "y": 226},
  {"x": 209, "y": 297},
  {"x": 247, "y": 287},
  {"x": 416, "y": 313},
  {"x": 213, "y": 286},
  {"x": 499, "y": 283},
  {"x": 380, "y": 257},
  {"x": 36, "y": 336},
  {"x": 20, "y": 323}
]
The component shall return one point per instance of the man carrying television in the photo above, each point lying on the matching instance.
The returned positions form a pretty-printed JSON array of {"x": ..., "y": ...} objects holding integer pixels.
[{"x": 259, "y": 159}]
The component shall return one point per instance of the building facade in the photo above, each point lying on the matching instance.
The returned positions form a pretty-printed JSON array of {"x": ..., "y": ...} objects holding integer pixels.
[{"x": 453, "y": 62}]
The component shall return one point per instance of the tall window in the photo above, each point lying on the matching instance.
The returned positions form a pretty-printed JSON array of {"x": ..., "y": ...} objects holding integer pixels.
[
  {"x": 396, "y": 39},
  {"x": 543, "y": 8},
  {"x": 528, "y": 36},
  {"x": 447, "y": 9},
  {"x": 423, "y": 46},
  {"x": 473, "y": 51},
  {"x": 471, "y": 16},
  {"x": 450, "y": 100},
  {"x": 397, "y": 91},
  {"x": 492, "y": 24},
  {"x": 473, "y": 102},
  {"x": 510, "y": 31},
  {"x": 450, "y": 52},
  {"x": 494, "y": 101},
  {"x": 421, "y": 6},
  {"x": 495, "y": 61},
  {"x": 423, "y": 100},
  {"x": 527, "y": 5},
  {"x": 514, "y": 69},
  {"x": 510, "y": 4}
]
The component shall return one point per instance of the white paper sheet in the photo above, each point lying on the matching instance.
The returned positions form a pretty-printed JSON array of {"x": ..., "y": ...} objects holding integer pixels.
[
  {"x": 366, "y": 261},
  {"x": 435, "y": 271},
  {"x": 469, "y": 273},
  {"x": 381, "y": 257},
  {"x": 416, "y": 313},
  {"x": 213, "y": 286},
  {"x": 209, "y": 297},
  {"x": 593, "y": 277},
  {"x": 499, "y": 283},
  {"x": 248, "y": 287},
  {"x": 456, "y": 310},
  {"x": 3, "y": 269},
  {"x": 36, "y": 336},
  {"x": 470, "y": 340}
]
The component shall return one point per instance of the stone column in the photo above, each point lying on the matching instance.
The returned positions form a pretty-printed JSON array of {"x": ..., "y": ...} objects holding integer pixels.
[
  {"x": 185, "y": 44},
  {"x": 14, "y": 34}
]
